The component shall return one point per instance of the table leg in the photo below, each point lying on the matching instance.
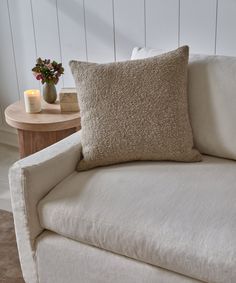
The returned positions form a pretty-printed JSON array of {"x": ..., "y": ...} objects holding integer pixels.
[{"x": 31, "y": 142}]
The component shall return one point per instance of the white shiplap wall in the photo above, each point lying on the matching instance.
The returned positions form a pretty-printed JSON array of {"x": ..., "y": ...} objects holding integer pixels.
[
  {"x": 102, "y": 31},
  {"x": 162, "y": 23}
]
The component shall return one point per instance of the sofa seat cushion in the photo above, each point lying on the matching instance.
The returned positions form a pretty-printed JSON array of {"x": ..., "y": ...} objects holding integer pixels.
[{"x": 181, "y": 217}]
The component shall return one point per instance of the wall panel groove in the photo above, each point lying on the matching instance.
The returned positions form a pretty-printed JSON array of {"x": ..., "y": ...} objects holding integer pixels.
[
  {"x": 197, "y": 25},
  {"x": 114, "y": 29},
  {"x": 129, "y": 27},
  {"x": 179, "y": 15},
  {"x": 145, "y": 22},
  {"x": 59, "y": 37},
  {"x": 85, "y": 32},
  {"x": 32, "y": 17},
  {"x": 99, "y": 28},
  {"x": 162, "y": 23},
  {"x": 72, "y": 35},
  {"x": 13, "y": 49},
  {"x": 216, "y": 25}
]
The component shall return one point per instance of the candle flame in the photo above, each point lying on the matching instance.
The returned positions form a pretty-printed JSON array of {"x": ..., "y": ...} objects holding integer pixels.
[{"x": 32, "y": 92}]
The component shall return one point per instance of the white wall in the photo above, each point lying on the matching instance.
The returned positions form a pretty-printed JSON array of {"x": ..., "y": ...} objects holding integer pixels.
[{"x": 102, "y": 31}]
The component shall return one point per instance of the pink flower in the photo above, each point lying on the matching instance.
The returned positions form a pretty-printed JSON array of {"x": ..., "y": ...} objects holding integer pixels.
[{"x": 38, "y": 77}]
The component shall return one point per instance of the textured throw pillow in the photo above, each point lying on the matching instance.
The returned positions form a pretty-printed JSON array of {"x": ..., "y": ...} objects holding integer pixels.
[
  {"x": 134, "y": 110},
  {"x": 212, "y": 100}
]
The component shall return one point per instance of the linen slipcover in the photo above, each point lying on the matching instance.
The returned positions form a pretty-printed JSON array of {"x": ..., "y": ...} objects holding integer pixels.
[
  {"x": 62, "y": 260},
  {"x": 181, "y": 217}
]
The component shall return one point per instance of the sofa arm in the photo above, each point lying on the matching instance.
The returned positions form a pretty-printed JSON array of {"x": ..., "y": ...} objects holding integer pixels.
[{"x": 30, "y": 180}]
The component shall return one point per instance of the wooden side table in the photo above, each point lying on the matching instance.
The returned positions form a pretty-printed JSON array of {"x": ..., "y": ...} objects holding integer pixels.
[{"x": 37, "y": 131}]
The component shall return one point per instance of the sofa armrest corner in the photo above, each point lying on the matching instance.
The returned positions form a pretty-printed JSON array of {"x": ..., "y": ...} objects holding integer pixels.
[{"x": 30, "y": 180}]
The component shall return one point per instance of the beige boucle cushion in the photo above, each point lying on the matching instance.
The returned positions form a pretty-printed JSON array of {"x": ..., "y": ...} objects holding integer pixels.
[
  {"x": 134, "y": 110},
  {"x": 212, "y": 100}
]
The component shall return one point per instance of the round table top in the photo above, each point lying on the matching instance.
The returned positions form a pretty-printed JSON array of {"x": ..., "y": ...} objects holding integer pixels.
[{"x": 49, "y": 119}]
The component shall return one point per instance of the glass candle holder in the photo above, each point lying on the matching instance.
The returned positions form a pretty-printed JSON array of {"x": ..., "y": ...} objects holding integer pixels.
[{"x": 32, "y": 101}]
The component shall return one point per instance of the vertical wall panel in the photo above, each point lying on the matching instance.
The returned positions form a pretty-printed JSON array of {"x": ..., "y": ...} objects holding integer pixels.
[
  {"x": 162, "y": 19},
  {"x": 99, "y": 30},
  {"x": 226, "y": 40},
  {"x": 198, "y": 24},
  {"x": 24, "y": 43},
  {"x": 129, "y": 26},
  {"x": 46, "y": 30},
  {"x": 8, "y": 81},
  {"x": 72, "y": 34}
]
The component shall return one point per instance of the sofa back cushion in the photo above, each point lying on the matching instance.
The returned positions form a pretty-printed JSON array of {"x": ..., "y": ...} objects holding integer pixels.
[
  {"x": 134, "y": 110},
  {"x": 212, "y": 101}
]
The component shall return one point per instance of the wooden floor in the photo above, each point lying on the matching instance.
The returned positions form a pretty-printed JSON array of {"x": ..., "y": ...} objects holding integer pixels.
[
  {"x": 10, "y": 271},
  {"x": 8, "y": 155}
]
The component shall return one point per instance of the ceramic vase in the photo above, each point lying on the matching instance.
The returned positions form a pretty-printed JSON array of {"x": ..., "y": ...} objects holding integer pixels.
[{"x": 49, "y": 92}]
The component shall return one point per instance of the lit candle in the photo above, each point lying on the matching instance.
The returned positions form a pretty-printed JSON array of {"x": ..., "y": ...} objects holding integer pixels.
[{"x": 32, "y": 101}]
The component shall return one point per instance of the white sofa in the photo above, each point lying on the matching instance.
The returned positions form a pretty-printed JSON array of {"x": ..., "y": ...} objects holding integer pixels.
[{"x": 154, "y": 222}]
